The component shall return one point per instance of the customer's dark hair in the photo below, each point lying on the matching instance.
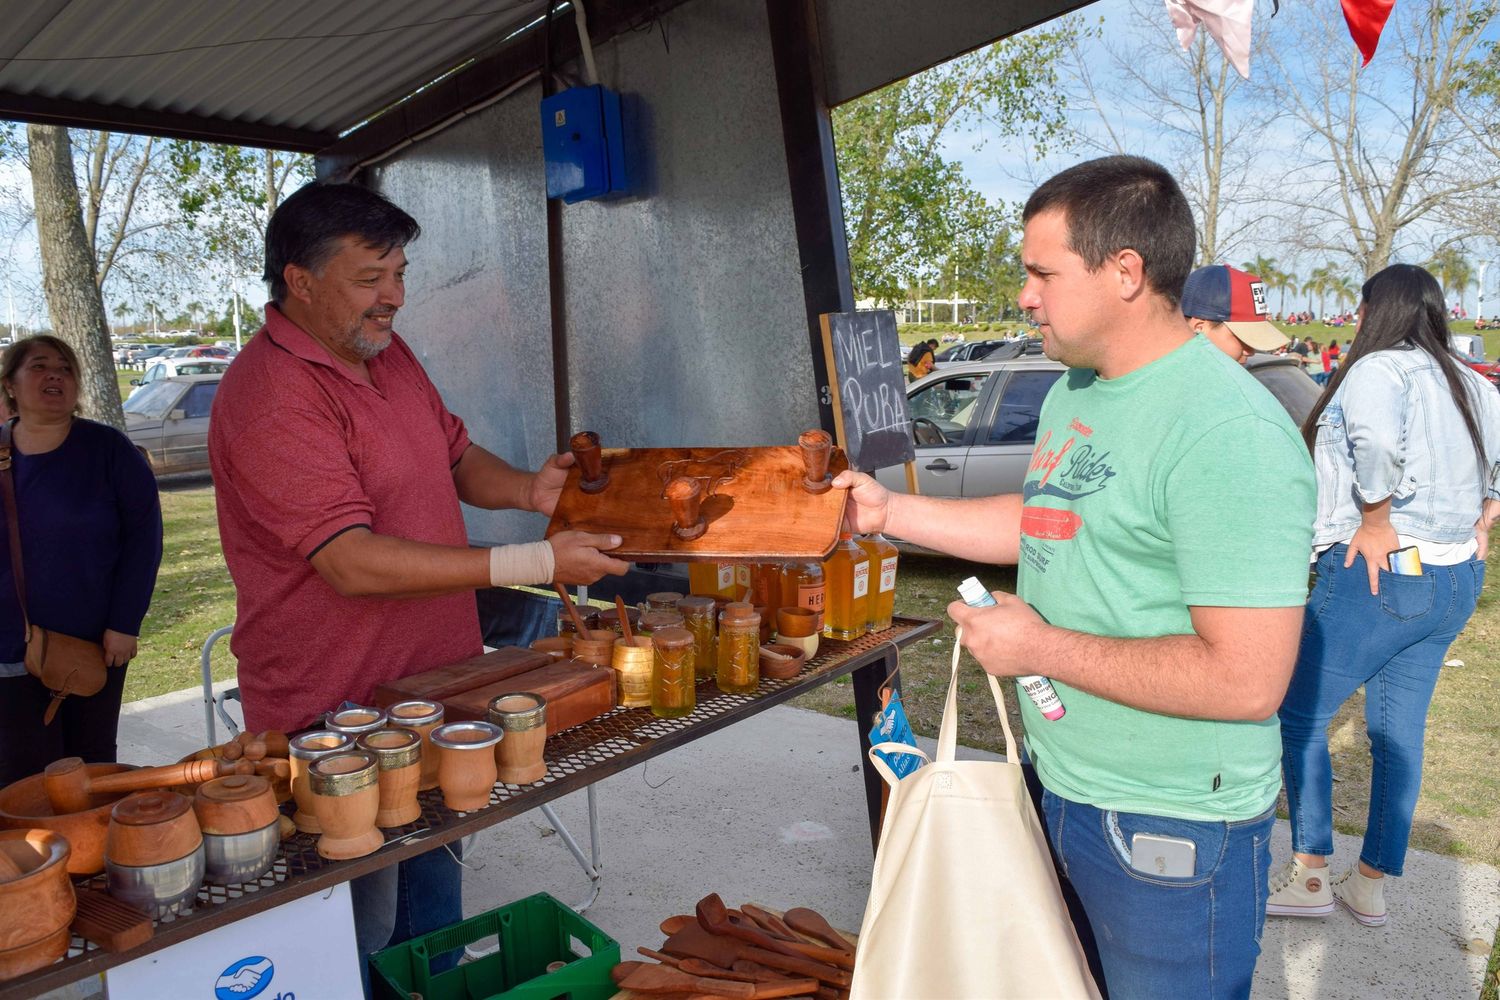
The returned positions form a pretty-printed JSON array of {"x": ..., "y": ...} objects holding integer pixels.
[
  {"x": 1119, "y": 203},
  {"x": 307, "y": 226},
  {"x": 1405, "y": 311}
]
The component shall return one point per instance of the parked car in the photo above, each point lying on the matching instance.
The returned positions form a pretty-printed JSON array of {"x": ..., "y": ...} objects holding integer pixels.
[
  {"x": 197, "y": 351},
  {"x": 974, "y": 424},
  {"x": 122, "y": 352},
  {"x": 167, "y": 421},
  {"x": 973, "y": 350},
  {"x": 160, "y": 368},
  {"x": 146, "y": 352}
]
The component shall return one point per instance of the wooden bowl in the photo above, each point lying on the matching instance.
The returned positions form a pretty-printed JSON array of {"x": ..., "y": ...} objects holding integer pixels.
[
  {"x": 152, "y": 828},
  {"x": 39, "y": 904},
  {"x": 794, "y": 623},
  {"x": 24, "y": 806},
  {"x": 239, "y": 803},
  {"x": 781, "y": 669}
]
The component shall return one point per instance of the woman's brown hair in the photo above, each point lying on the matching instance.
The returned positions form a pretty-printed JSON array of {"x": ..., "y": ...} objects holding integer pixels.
[{"x": 15, "y": 357}]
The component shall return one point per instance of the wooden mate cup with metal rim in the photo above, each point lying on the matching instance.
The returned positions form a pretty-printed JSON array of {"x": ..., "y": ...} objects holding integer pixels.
[
  {"x": 421, "y": 717},
  {"x": 399, "y": 754},
  {"x": 346, "y": 797},
  {"x": 467, "y": 771},
  {"x": 302, "y": 751},
  {"x": 522, "y": 716}
]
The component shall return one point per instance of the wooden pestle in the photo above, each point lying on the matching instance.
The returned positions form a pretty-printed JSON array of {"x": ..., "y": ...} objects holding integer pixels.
[
  {"x": 624, "y": 620},
  {"x": 68, "y": 784},
  {"x": 571, "y": 609}
]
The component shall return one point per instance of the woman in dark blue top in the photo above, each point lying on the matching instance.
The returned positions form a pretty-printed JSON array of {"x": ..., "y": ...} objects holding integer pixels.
[{"x": 90, "y": 522}]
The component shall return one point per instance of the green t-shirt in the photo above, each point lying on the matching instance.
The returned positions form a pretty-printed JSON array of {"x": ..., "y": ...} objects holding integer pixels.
[{"x": 1182, "y": 483}]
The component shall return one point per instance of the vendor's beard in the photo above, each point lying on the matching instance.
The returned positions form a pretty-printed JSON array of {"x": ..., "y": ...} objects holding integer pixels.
[{"x": 364, "y": 346}]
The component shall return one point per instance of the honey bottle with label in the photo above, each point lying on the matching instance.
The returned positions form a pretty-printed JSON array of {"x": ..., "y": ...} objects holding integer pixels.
[
  {"x": 802, "y": 587},
  {"x": 883, "y": 556},
  {"x": 846, "y": 608},
  {"x": 708, "y": 579}
]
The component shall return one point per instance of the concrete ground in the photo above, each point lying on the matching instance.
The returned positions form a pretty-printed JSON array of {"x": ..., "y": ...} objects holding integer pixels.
[{"x": 772, "y": 811}]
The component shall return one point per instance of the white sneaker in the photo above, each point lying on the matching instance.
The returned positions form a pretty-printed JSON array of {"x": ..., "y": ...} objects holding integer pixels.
[
  {"x": 1362, "y": 896},
  {"x": 1300, "y": 891}
]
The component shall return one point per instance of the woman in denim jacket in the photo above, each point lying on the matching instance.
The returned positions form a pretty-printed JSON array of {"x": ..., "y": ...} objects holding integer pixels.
[{"x": 1406, "y": 442}]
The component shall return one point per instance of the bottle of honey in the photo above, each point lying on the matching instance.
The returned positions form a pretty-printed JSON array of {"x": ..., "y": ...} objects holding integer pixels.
[
  {"x": 883, "y": 556},
  {"x": 846, "y": 608},
  {"x": 707, "y": 579},
  {"x": 802, "y": 587}
]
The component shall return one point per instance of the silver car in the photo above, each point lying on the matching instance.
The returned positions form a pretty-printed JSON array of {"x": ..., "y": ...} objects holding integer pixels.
[
  {"x": 974, "y": 423},
  {"x": 167, "y": 421}
]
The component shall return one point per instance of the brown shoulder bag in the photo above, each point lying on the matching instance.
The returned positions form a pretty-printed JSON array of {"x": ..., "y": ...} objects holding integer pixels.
[{"x": 64, "y": 663}]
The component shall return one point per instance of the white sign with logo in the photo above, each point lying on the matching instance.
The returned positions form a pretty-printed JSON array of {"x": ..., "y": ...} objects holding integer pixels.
[{"x": 302, "y": 950}]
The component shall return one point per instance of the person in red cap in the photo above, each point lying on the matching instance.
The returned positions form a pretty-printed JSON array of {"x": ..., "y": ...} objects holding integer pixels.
[{"x": 1228, "y": 306}]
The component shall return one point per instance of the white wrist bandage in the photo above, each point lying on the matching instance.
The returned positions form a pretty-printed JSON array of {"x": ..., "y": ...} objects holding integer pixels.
[{"x": 529, "y": 564}]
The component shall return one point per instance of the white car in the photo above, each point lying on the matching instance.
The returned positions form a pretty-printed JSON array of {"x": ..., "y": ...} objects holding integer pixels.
[{"x": 160, "y": 368}]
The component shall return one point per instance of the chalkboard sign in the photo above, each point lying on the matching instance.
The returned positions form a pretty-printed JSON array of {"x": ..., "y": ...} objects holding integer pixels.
[{"x": 868, "y": 387}]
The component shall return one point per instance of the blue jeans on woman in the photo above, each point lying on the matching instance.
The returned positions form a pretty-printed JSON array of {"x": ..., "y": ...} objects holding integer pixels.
[
  {"x": 1156, "y": 935},
  {"x": 1392, "y": 643}
]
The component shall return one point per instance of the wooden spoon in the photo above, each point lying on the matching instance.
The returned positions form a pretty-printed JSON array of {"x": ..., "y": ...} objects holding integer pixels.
[
  {"x": 813, "y": 924},
  {"x": 645, "y": 978},
  {"x": 672, "y": 925},
  {"x": 624, "y": 620},
  {"x": 714, "y": 917},
  {"x": 769, "y": 922},
  {"x": 572, "y": 611},
  {"x": 695, "y": 942}
]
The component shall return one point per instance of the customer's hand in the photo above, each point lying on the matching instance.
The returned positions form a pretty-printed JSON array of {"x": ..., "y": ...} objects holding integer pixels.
[
  {"x": 119, "y": 648},
  {"x": 869, "y": 502},
  {"x": 1375, "y": 542},
  {"x": 547, "y": 483},
  {"x": 578, "y": 559},
  {"x": 1000, "y": 637}
]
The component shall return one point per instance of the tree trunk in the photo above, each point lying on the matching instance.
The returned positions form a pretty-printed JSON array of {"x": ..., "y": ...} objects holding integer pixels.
[{"x": 68, "y": 272}]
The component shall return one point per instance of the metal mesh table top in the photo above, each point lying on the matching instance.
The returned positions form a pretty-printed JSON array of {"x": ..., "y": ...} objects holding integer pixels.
[{"x": 577, "y": 757}]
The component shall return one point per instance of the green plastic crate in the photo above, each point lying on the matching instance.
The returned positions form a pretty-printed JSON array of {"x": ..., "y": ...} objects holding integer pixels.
[{"x": 533, "y": 932}]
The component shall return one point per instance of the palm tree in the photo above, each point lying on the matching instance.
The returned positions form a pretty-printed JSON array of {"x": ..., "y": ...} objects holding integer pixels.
[
  {"x": 1452, "y": 271},
  {"x": 1318, "y": 283},
  {"x": 193, "y": 309},
  {"x": 1344, "y": 289},
  {"x": 1285, "y": 280},
  {"x": 122, "y": 310}
]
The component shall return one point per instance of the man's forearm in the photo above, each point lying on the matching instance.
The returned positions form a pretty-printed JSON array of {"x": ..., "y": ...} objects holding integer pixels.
[
  {"x": 986, "y": 529},
  {"x": 360, "y": 563},
  {"x": 485, "y": 480}
]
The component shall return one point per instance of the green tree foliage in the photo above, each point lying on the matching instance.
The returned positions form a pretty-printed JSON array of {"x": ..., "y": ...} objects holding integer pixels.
[
  {"x": 227, "y": 194},
  {"x": 909, "y": 212},
  {"x": 1452, "y": 270}
]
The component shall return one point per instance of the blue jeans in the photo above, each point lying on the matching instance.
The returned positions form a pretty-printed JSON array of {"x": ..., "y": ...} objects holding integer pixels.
[
  {"x": 1158, "y": 936},
  {"x": 406, "y": 900},
  {"x": 1394, "y": 645}
]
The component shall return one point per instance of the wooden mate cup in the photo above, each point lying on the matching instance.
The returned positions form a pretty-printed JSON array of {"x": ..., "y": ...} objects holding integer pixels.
[
  {"x": 817, "y": 450},
  {"x": 37, "y": 899},
  {"x": 522, "y": 716},
  {"x": 354, "y": 721},
  {"x": 467, "y": 770},
  {"x": 421, "y": 717},
  {"x": 346, "y": 796},
  {"x": 399, "y": 754},
  {"x": 686, "y": 497},
  {"x": 302, "y": 751},
  {"x": 590, "y": 459}
]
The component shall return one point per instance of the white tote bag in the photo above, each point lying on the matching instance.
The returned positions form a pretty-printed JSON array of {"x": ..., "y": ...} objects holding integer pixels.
[{"x": 964, "y": 901}]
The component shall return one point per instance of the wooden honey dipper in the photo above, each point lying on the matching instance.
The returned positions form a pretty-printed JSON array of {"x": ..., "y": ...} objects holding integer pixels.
[{"x": 68, "y": 784}]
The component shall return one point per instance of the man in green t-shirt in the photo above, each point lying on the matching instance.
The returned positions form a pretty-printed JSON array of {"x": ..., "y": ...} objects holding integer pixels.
[{"x": 1162, "y": 537}]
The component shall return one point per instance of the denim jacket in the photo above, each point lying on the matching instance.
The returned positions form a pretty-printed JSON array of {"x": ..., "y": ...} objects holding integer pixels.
[{"x": 1393, "y": 430}]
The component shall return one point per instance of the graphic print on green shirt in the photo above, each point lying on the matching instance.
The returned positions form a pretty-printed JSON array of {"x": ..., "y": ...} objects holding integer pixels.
[{"x": 1182, "y": 483}]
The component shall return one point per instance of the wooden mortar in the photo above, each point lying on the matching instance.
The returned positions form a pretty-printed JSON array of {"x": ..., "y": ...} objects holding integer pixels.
[
  {"x": 399, "y": 754},
  {"x": 38, "y": 901},
  {"x": 467, "y": 770},
  {"x": 421, "y": 717},
  {"x": 24, "y": 806},
  {"x": 346, "y": 796},
  {"x": 522, "y": 716},
  {"x": 305, "y": 749}
]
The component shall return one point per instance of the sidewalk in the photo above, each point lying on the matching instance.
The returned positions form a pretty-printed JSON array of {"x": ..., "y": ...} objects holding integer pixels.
[{"x": 772, "y": 811}]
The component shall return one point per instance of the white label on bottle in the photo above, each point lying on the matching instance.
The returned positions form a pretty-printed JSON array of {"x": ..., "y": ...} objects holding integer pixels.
[
  {"x": 742, "y": 575},
  {"x": 861, "y": 578},
  {"x": 726, "y": 575},
  {"x": 888, "y": 573}
]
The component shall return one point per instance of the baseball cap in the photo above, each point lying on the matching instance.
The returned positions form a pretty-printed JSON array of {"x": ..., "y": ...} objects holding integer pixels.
[{"x": 1235, "y": 298}]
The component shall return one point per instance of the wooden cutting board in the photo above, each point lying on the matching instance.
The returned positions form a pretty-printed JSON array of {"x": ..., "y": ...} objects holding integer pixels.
[
  {"x": 576, "y": 692},
  {"x": 442, "y": 682},
  {"x": 755, "y": 506}
]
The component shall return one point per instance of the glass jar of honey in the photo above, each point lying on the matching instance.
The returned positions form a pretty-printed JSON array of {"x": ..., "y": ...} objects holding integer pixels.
[
  {"x": 665, "y": 600},
  {"x": 739, "y": 649},
  {"x": 707, "y": 579},
  {"x": 674, "y": 691},
  {"x": 651, "y": 621},
  {"x": 802, "y": 586},
  {"x": 698, "y": 617},
  {"x": 846, "y": 605},
  {"x": 883, "y": 557}
]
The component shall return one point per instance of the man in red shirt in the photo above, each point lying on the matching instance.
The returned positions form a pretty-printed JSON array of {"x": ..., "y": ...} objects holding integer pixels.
[{"x": 338, "y": 474}]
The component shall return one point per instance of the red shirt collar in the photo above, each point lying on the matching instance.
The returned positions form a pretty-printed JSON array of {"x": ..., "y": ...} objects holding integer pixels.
[{"x": 294, "y": 340}]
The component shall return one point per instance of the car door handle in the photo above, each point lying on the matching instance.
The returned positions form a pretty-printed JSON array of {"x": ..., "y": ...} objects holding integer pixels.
[{"x": 941, "y": 465}]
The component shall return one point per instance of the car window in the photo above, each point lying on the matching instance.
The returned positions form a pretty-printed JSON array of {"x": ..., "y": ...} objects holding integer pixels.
[
  {"x": 153, "y": 373},
  {"x": 200, "y": 368},
  {"x": 153, "y": 400},
  {"x": 950, "y": 404},
  {"x": 200, "y": 399},
  {"x": 1021, "y": 407}
]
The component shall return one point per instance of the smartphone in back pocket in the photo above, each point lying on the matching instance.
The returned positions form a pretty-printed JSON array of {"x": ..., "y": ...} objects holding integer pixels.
[{"x": 1173, "y": 857}]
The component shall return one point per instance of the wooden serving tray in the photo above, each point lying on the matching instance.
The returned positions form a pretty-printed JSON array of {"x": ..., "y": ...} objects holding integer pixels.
[{"x": 755, "y": 507}]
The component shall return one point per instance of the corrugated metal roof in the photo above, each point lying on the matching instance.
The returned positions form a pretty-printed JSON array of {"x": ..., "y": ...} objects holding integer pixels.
[{"x": 309, "y": 67}]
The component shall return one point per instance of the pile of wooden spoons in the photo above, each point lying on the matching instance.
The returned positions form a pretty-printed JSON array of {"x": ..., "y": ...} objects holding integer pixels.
[{"x": 750, "y": 954}]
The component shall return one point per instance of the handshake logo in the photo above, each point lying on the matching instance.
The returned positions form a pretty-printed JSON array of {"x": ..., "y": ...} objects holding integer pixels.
[{"x": 245, "y": 979}]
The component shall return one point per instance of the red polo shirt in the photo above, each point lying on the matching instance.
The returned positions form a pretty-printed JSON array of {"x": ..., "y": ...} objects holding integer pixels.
[{"x": 302, "y": 451}]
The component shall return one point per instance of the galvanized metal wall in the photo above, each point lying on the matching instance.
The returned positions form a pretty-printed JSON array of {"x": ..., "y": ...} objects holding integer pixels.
[{"x": 684, "y": 302}]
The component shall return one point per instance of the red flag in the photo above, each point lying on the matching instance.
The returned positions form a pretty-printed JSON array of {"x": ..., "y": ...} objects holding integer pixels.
[{"x": 1366, "y": 19}]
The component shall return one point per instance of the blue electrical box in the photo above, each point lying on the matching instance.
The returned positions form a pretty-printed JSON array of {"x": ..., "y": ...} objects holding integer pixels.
[{"x": 582, "y": 144}]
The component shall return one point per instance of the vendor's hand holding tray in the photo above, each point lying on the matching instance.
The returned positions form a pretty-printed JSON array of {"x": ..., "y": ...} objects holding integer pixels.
[{"x": 750, "y": 504}]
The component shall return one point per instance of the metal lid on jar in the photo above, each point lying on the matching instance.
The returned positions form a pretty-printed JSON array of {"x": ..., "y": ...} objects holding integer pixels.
[
  {"x": 666, "y": 600},
  {"x": 674, "y": 637},
  {"x": 343, "y": 773},
  {"x": 742, "y": 612},
  {"x": 518, "y": 711},
  {"x": 311, "y": 746},
  {"x": 417, "y": 712},
  {"x": 653, "y": 620},
  {"x": 355, "y": 720},
  {"x": 393, "y": 748},
  {"x": 696, "y": 605},
  {"x": 466, "y": 735}
]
